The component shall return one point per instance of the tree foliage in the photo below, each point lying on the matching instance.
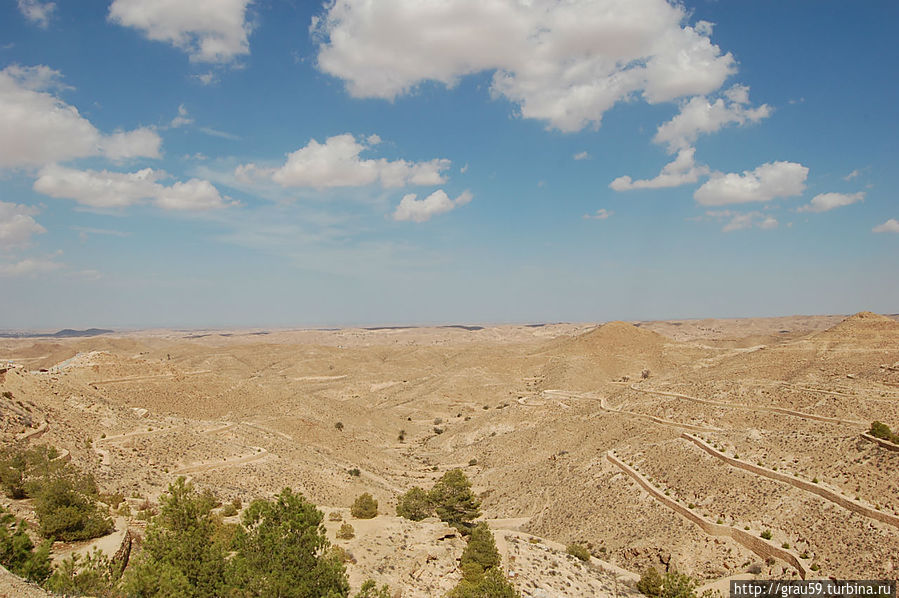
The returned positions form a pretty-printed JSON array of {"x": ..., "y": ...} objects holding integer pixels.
[
  {"x": 454, "y": 501},
  {"x": 282, "y": 551},
  {"x": 670, "y": 585},
  {"x": 480, "y": 553},
  {"x": 364, "y": 507},
  {"x": 490, "y": 585},
  {"x": 88, "y": 575},
  {"x": 181, "y": 554},
  {"x": 17, "y": 551},
  {"x": 414, "y": 504}
]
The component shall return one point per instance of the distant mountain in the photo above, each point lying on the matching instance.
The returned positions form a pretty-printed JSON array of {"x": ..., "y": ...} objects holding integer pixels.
[{"x": 65, "y": 333}]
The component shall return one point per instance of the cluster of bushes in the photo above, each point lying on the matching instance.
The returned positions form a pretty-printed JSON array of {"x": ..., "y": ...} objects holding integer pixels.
[
  {"x": 481, "y": 572},
  {"x": 882, "y": 431},
  {"x": 670, "y": 585},
  {"x": 65, "y": 499},
  {"x": 18, "y": 553},
  {"x": 451, "y": 499},
  {"x": 279, "y": 548}
]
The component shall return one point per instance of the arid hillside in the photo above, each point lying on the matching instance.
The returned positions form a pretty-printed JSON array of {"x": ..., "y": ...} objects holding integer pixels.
[{"x": 713, "y": 447}]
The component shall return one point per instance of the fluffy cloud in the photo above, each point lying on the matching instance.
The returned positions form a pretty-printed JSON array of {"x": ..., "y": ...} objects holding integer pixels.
[
  {"x": 182, "y": 119},
  {"x": 337, "y": 163},
  {"x": 562, "y": 62},
  {"x": 600, "y": 214},
  {"x": 421, "y": 210},
  {"x": 581, "y": 156},
  {"x": 768, "y": 181},
  {"x": 104, "y": 189},
  {"x": 824, "y": 202},
  {"x": 890, "y": 226},
  {"x": 208, "y": 30},
  {"x": 28, "y": 266},
  {"x": 37, "y": 11},
  {"x": 17, "y": 225},
  {"x": 680, "y": 171},
  {"x": 699, "y": 115},
  {"x": 38, "y": 128}
]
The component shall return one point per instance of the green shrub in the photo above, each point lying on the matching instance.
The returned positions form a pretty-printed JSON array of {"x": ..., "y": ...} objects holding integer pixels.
[
  {"x": 414, "y": 504},
  {"x": 339, "y": 426},
  {"x": 370, "y": 589},
  {"x": 229, "y": 510},
  {"x": 281, "y": 550},
  {"x": 364, "y": 507},
  {"x": 670, "y": 585},
  {"x": 182, "y": 554},
  {"x": 766, "y": 534},
  {"x": 882, "y": 431},
  {"x": 335, "y": 516},
  {"x": 490, "y": 585},
  {"x": 65, "y": 512},
  {"x": 346, "y": 532},
  {"x": 472, "y": 462},
  {"x": 89, "y": 575},
  {"x": 354, "y": 472},
  {"x": 401, "y": 436},
  {"x": 579, "y": 552},
  {"x": 480, "y": 553},
  {"x": 454, "y": 501},
  {"x": 17, "y": 552}
]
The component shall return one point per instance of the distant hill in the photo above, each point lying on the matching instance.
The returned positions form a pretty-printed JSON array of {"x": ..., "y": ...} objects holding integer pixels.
[{"x": 65, "y": 333}]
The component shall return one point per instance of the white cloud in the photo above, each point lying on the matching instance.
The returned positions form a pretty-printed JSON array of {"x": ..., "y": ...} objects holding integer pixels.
[
  {"x": 39, "y": 128},
  {"x": 699, "y": 115},
  {"x": 852, "y": 175},
  {"x": 890, "y": 226},
  {"x": 337, "y": 163},
  {"x": 104, "y": 189},
  {"x": 828, "y": 201},
  {"x": 768, "y": 181},
  {"x": 131, "y": 144},
  {"x": 17, "y": 225},
  {"x": 421, "y": 210},
  {"x": 182, "y": 119},
  {"x": 581, "y": 156},
  {"x": 562, "y": 62},
  {"x": 208, "y": 30},
  {"x": 679, "y": 171},
  {"x": 28, "y": 266},
  {"x": 37, "y": 11},
  {"x": 743, "y": 220},
  {"x": 600, "y": 214}
]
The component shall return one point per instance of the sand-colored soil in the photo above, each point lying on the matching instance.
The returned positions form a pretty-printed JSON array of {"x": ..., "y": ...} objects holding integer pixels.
[{"x": 530, "y": 413}]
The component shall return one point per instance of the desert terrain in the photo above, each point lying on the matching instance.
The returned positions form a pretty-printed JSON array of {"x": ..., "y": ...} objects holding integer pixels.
[{"x": 677, "y": 445}]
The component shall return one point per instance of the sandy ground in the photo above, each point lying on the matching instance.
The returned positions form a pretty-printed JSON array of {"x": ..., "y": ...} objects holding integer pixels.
[{"x": 529, "y": 413}]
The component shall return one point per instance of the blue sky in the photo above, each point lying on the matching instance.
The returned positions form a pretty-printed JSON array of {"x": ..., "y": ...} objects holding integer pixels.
[{"x": 249, "y": 163}]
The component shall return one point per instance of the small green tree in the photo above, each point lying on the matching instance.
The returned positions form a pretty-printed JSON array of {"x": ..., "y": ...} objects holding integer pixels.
[
  {"x": 454, "y": 501},
  {"x": 480, "y": 553},
  {"x": 370, "y": 589},
  {"x": 69, "y": 513},
  {"x": 89, "y": 575},
  {"x": 414, "y": 504},
  {"x": 283, "y": 552},
  {"x": 490, "y": 585},
  {"x": 17, "y": 552},
  {"x": 364, "y": 507},
  {"x": 670, "y": 585},
  {"x": 181, "y": 555}
]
